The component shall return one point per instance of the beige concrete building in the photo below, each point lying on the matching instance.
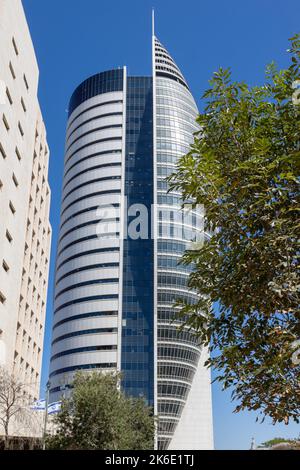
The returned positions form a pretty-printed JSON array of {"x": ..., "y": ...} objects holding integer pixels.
[{"x": 25, "y": 231}]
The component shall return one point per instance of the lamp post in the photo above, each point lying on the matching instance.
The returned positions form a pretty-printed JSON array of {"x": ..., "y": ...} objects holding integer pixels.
[{"x": 46, "y": 414}]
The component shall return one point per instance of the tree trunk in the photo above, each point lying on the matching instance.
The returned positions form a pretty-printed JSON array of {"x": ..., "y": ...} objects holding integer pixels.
[{"x": 6, "y": 437}]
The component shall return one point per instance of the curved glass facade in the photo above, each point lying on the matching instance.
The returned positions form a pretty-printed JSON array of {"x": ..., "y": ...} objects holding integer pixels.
[
  {"x": 114, "y": 293},
  {"x": 86, "y": 299},
  {"x": 178, "y": 352},
  {"x": 98, "y": 84}
]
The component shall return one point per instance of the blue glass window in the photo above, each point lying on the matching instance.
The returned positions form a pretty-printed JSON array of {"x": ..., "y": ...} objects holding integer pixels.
[{"x": 138, "y": 275}]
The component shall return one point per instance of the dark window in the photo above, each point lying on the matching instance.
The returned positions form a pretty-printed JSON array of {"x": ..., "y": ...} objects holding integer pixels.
[
  {"x": 87, "y": 183},
  {"x": 88, "y": 252},
  {"x": 138, "y": 282},
  {"x": 103, "y": 365},
  {"x": 92, "y": 155},
  {"x": 104, "y": 82},
  {"x": 98, "y": 193},
  {"x": 87, "y": 283},
  {"x": 86, "y": 299},
  {"x": 91, "y": 131},
  {"x": 85, "y": 332},
  {"x": 104, "y": 347},
  {"x": 85, "y": 315},
  {"x": 96, "y": 167},
  {"x": 94, "y": 118}
]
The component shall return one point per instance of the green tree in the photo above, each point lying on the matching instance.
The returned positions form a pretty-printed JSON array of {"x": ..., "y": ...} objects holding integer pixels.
[
  {"x": 279, "y": 443},
  {"x": 243, "y": 167},
  {"x": 277, "y": 440},
  {"x": 99, "y": 416}
]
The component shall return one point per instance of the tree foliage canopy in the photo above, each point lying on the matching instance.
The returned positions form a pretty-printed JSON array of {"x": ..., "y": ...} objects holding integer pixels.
[
  {"x": 277, "y": 440},
  {"x": 99, "y": 416},
  {"x": 243, "y": 167}
]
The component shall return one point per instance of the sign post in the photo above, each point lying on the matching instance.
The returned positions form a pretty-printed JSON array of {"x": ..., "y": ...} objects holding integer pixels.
[{"x": 46, "y": 415}]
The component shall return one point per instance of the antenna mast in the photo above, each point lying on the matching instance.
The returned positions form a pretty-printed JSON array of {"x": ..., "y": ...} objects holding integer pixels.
[{"x": 153, "y": 22}]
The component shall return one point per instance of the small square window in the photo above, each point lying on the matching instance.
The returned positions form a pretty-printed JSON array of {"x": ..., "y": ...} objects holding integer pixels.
[
  {"x": 25, "y": 81},
  {"x": 18, "y": 153},
  {"x": 5, "y": 266},
  {"x": 23, "y": 105},
  {"x": 2, "y": 151},
  {"x": 15, "y": 46},
  {"x": 12, "y": 71},
  {"x": 12, "y": 208},
  {"x": 15, "y": 180},
  {"x": 9, "y": 96},
  {"x": 8, "y": 236},
  {"x": 5, "y": 122},
  {"x": 20, "y": 129},
  {"x": 2, "y": 298}
]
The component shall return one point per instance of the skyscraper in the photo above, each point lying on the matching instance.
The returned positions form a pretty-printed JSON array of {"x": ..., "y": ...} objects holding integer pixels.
[
  {"x": 121, "y": 237},
  {"x": 25, "y": 230}
]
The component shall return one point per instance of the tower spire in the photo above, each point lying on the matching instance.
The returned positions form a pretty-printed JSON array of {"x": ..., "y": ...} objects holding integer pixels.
[{"x": 153, "y": 21}]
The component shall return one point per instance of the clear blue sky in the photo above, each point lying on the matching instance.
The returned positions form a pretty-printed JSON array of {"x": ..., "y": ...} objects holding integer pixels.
[{"x": 77, "y": 38}]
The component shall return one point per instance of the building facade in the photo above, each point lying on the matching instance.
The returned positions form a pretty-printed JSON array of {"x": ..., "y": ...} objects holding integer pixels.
[
  {"x": 121, "y": 237},
  {"x": 25, "y": 231}
]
